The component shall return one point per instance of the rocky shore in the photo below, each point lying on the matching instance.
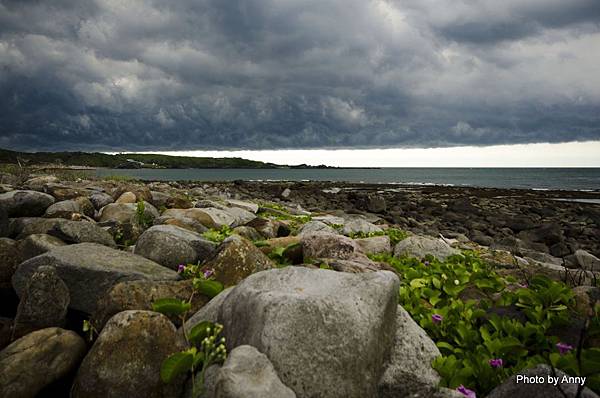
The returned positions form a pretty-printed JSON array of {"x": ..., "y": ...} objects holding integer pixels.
[{"x": 311, "y": 271}]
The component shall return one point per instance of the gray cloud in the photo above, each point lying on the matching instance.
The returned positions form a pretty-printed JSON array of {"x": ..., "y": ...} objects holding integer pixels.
[{"x": 157, "y": 74}]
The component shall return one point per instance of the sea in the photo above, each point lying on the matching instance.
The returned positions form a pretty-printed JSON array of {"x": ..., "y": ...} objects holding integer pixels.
[{"x": 571, "y": 179}]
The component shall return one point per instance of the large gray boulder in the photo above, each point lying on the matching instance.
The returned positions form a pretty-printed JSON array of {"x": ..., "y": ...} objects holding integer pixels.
[
  {"x": 22, "y": 203},
  {"x": 90, "y": 270},
  {"x": 327, "y": 333},
  {"x": 247, "y": 373},
  {"x": 44, "y": 303},
  {"x": 170, "y": 246},
  {"x": 420, "y": 246},
  {"x": 126, "y": 358},
  {"x": 249, "y": 206},
  {"x": 36, "y": 360},
  {"x": 518, "y": 388},
  {"x": 409, "y": 372}
]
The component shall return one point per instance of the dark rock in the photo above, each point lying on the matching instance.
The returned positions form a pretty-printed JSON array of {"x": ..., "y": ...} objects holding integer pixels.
[
  {"x": 235, "y": 259},
  {"x": 170, "y": 246},
  {"x": 63, "y": 209},
  {"x": 10, "y": 258},
  {"x": 37, "y": 244},
  {"x": 140, "y": 294},
  {"x": 25, "y": 203},
  {"x": 37, "y": 360},
  {"x": 100, "y": 199},
  {"x": 90, "y": 270},
  {"x": 126, "y": 358},
  {"x": 44, "y": 303}
]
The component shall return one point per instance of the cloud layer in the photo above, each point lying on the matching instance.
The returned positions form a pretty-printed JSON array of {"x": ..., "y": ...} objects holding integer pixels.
[{"x": 205, "y": 74}]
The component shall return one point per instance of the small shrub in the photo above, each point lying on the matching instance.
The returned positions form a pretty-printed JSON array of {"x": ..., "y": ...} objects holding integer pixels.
[{"x": 218, "y": 235}]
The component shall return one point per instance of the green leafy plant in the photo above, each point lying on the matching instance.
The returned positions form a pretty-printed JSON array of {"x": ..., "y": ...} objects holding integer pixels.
[
  {"x": 206, "y": 346},
  {"x": 89, "y": 329},
  {"x": 395, "y": 235},
  {"x": 456, "y": 302},
  {"x": 142, "y": 218},
  {"x": 218, "y": 235},
  {"x": 279, "y": 254}
]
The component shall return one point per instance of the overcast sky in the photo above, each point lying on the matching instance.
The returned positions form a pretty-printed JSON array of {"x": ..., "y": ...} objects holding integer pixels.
[{"x": 263, "y": 74}]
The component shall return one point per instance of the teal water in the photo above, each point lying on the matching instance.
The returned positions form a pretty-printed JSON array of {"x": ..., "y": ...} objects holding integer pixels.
[{"x": 526, "y": 178}]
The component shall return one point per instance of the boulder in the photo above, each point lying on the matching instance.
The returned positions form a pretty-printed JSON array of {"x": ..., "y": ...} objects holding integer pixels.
[
  {"x": 353, "y": 266},
  {"x": 215, "y": 218},
  {"x": 10, "y": 258},
  {"x": 141, "y": 192},
  {"x": 247, "y": 373},
  {"x": 572, "y": 277},
  {"x": 324, "y": 245},
  {"x": 4, "y": 230},
  {"x": 375, "y": 244},
  {"x": 511, "y": 388},
  {"x": 549, "y": 234},
  {"x": 235, "y": 259},
  {"x": 126, "y": 358},
  {"x": 420, "y": 246},
  {"x": 63, "y": 209},
  {"x": 329, "y": 219},
  {"x": 44, "y": 303},
  {"x": 90, "y": 270},
  {"x": 86, "y": 206},
  {"x": 376, "y": 203},
  {"x": 63, "y": 192},
  {"x": 312, "y": 227},
  {"x": 409, "y": 371},
  {"x": 100, "y": 199},
  {"x": 66, "y": 230},
  {"x": 37, "y": 244},
  {"x": 22, "y": 203},
  {"x": 292, "y": 249},
  {"x": 584, "y": 260},
  {"x": 37, "y": 183},
  {"x": 269, "y": 228},
  {"x": 248, "y": 206},
  {"x": 140, "y": 294},
  {"x": 240, "y": 215},
  {"x": 38, "y": 359},
  {"x": 160, "y": 199},
  {"x": 182, "y": 222},
  {"x": 247, "y": 233},
  {"x": 125, "y": 212},
  {"x": 81, "y": 232},
  {"x": 359, "y": 226},
  {"x": 170, "y": 246},
  {"x": 292, "y": 313},
  {"x": 126, "y": 197}
]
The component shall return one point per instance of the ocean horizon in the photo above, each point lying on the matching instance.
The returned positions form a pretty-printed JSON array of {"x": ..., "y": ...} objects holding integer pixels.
[{"x": 572, "y": 179}]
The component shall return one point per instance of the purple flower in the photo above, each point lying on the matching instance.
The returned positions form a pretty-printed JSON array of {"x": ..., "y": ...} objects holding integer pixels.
[
  {"x": 523, "y": 285},
  {"x": 496, "y": 363},
  {"x": 426, "y": 262},
  {"x": 208, "y": 273},
  {"x": 563, "y": 348},
  {"x": 181, "y": 268},
  {"x": 437, "y": 318},
  {"x": 466, "y": 392}
]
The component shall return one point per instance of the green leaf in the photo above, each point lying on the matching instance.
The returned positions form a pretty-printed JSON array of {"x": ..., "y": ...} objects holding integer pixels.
[
  {"x": 171, "y": 306},
  {"x": 198, "y": 332},
  {"x": 207, "y": 287},
  {"x": 176, "y": 364}
]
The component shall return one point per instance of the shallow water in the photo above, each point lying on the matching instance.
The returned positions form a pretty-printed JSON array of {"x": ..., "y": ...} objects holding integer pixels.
[{"x": 585, "y": 179}]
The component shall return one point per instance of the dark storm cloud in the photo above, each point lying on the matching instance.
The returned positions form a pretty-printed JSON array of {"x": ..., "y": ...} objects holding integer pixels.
[{"x": 157, "y": 74}]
